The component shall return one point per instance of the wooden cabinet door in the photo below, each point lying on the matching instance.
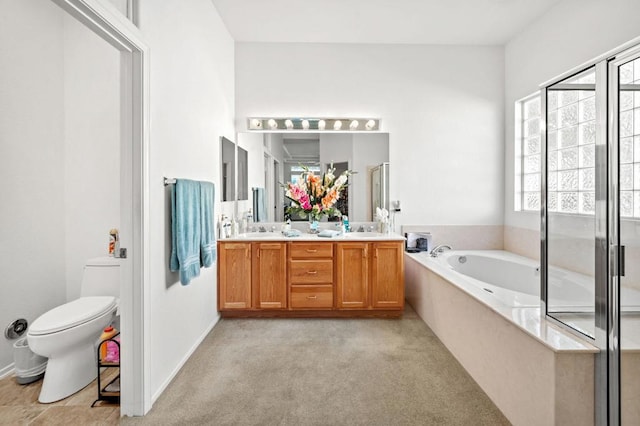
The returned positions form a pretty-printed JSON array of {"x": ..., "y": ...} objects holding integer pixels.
[
  {"x": 270, "y": 275},
  {"x": 352, "y": 270},
  {"x": 234, "y": 276},
  {"x": 387, "y": 275}
]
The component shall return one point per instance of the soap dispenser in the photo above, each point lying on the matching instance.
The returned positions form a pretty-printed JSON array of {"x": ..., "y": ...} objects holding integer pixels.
[{"x": 345, "y": 224}]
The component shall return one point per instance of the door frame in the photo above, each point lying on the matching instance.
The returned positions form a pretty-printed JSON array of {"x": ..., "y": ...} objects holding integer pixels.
[{"x": 109, "y": 24}]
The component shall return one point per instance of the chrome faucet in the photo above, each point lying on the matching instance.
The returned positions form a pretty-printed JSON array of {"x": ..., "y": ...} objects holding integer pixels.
[{"x": 439, "y": 249}]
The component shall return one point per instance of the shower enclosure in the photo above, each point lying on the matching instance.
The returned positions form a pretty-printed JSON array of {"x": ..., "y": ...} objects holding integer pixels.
[{"x": 590, "y": 255}]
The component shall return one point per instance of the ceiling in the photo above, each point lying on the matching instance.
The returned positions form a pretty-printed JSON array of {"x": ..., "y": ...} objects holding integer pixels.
[{"x": 468, "y": 22}]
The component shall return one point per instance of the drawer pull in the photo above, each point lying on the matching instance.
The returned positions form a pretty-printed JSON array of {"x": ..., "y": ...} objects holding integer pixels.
[
  {"x": 312, "y": 297},
  {"x": 312, "y": 251},
  {"x": 312, "y": 272}
]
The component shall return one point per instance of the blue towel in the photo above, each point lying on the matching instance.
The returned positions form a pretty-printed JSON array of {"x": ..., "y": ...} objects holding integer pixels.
[
  {"x": 185, "y": 229},
  {"x": 208, "y": 235},
  {"x": 259, "y": 205},
  {"x": 328, "y": 233}
]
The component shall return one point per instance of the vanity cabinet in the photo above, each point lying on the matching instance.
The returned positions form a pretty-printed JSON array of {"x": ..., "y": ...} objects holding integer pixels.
[
  {"x": 234, "y": 276},
  {"x": 370, "y": 275},
  {"x": 352, "y": 283},
  {"x": 269, "y": 277},
  {"x": 311, "y": 278},
  {"x": 311, "y": 275}
]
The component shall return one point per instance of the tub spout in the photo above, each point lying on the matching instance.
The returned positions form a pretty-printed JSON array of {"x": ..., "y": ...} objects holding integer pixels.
[{"x": 439, "y": 249}]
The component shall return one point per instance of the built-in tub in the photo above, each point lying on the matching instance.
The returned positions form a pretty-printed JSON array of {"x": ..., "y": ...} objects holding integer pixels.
[{"x": 484, "y": 306}]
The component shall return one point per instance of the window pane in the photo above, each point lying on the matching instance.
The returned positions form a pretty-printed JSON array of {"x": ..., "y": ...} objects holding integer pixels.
[
  {"x": 626, "y": 203},
  {"x": 568, "y": 115},
  {"x": 588, "y": 109},
  {"x": 587, "y": 156},
  {"x": 569, "y": 137},
  {"x": 587, "y": 202},
  {"x": 569, "y": 180},
  {"x": 636, "y": 176},
  {"x": 636, "y": 149},
  {"x": 626, "y": 124},
  {"x": 532, "y": 108},
  {"x": 626, "y": 100},
  {"x": 587, "y": 180},
  {"x": 626, "y": 176},
  {"x": 552, "y": 120},
  {"x": 636, "y": 204},
  {"x": 552, "y": 160},
  {"x": 626, "y": 73},
  {"x": 568, "y": 158},
  {"x": 532, "y": 127},
  {"x": 552, "y": 141},
  {"x": 532, "y": 201},
  {"x": 568, "y": 97},
  {"x": 552, "y": 181},
  {"x": 532, "y": 182},
  {"x": 569, "y": 202},
  {"x": 552, "y": 201},
  {"x": 588, "y": 133},
  {"x": 532, "y": 164},
  {"x": 552, "y": 100},
  {"x": 626, "y": 150},
  {"x": 532, "y": 146}
]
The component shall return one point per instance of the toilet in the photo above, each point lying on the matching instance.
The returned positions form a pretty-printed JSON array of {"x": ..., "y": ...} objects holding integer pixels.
[{"x": 68, "y": 334}]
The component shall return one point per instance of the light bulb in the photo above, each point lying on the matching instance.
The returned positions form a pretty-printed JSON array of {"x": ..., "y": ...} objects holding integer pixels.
[
  {"x": 305, "y": 124},
  {"x": 353, "y": 125},
  {"x": 272, "y": 123},
  {"x": 322, "y": 124},
  {"x": 337, "y": 125},
  {"x": 256, "y": 123},
  {"x": 288, "y": 124},
  {"x": 370, "y": 124}
]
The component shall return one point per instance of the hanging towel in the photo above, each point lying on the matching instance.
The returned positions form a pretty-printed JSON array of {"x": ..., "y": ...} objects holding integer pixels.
[
  {"x": 259, "y": 205},
  {"x": 185, "y": 229},
  {"x": 208, "y": 235}
]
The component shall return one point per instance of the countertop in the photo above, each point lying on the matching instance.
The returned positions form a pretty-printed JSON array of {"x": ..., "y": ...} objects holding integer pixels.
[{"x": 304, "y": 236}]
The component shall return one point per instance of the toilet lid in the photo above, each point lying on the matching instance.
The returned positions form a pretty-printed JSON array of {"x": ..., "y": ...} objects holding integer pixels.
[{"x": 72, "y": 314}]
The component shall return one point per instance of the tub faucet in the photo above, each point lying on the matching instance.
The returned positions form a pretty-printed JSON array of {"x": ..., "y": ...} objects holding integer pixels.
[{"x": 439, "y": 249}]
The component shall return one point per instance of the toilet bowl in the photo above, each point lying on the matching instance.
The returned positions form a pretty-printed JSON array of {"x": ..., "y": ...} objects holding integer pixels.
[{"x": 68, "y": 334}]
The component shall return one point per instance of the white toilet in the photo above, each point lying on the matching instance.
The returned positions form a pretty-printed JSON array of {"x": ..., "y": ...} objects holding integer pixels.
[{"x": 68, "y": 334}]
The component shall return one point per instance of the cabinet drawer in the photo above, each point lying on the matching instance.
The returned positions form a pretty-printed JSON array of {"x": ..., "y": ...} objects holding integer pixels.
[
  {"x": 311, "y": 271},
  {"x": 311, "y": 296},
  {"x": 310, "y": 250}
]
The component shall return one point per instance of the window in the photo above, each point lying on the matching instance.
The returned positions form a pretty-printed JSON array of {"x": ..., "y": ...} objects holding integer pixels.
[
  {"x": 630, "y": 140},
  {"x": 528, "y": 154},
  {"x": 297, "y": 170}
]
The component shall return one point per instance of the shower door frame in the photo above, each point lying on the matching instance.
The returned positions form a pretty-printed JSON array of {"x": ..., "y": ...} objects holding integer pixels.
[{"x": 607, "y": 228}]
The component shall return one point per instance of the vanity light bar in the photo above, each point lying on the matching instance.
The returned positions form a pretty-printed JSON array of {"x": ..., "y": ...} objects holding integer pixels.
[{"x": 314, "y": 124}]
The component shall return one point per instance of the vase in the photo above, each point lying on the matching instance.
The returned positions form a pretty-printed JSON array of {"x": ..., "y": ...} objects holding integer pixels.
[{"x": 313, "y": 224}]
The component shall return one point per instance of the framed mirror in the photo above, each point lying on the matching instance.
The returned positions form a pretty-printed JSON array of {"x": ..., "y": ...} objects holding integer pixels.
[
  {"x": 243, "y": 174},
  {"x": 228, "y": 168}
]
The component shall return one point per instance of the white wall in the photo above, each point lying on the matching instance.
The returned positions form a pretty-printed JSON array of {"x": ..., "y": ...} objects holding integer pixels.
[
  {"x": 442, "y": 107},
  {"x": 92, "y": 147},
  {"x": 570, "y": 34},
  {"x": 192, "y": 105},
  {"x": 31, "y": 163}
]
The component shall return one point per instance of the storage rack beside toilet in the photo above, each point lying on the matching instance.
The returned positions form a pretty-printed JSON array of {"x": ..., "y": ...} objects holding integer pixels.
[{"x": 103, "y": 393}]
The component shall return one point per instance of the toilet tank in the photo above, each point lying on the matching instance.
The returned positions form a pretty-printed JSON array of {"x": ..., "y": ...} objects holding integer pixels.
[{"x": 101, "y": 277}]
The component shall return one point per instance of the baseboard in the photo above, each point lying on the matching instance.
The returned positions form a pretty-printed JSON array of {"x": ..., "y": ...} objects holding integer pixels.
[
  {"x": 184, "y": 360},
  {"x": 7, "y": 371}
]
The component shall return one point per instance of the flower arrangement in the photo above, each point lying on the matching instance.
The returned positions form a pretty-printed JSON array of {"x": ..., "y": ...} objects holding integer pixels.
[{"x": 315, "y": 196}]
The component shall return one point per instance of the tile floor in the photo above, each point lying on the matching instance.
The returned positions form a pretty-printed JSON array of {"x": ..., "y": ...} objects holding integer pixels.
[{"x": 19, "y": 405}]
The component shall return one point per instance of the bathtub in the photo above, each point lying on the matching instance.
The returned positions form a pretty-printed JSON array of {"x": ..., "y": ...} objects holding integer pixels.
[
  {"x": 484, "y": 306},
  {"x": 514, "y": 281}
]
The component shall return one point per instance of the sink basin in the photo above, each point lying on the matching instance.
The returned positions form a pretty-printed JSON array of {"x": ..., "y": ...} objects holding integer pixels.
[
  {"x": 253, "y": 235},
  {"x": 366, "y": 235}
]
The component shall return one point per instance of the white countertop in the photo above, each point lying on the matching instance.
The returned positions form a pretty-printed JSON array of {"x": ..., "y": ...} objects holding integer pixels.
[{"x": 304, "y": 236}]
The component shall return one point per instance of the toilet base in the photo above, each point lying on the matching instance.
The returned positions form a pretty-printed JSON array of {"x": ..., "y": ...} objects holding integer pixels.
[{"x": 69, "y": 372}]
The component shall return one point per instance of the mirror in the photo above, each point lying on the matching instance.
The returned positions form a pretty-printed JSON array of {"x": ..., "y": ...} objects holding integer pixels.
[
  {"x": 278, "y": 156},
  {"x": 228, "y": 167},
  {"x": 243, "y": 174}
]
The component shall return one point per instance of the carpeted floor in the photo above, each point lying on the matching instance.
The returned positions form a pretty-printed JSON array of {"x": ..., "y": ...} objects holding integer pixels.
[{"x": 322, "y": 372}]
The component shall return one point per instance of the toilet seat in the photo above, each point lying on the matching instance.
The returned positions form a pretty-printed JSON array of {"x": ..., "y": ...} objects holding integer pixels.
[{"x": 72, "y": 314}]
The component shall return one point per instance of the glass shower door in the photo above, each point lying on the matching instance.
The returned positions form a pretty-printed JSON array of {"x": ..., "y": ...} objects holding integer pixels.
[
  {"x": 625, "y": 85},
  {"x": 569, "y": 197}
]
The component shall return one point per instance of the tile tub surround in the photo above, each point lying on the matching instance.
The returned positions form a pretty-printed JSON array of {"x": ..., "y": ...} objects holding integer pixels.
[
  {"x": 534, "y": 372},
  {"x": 471, "y": 237}
]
